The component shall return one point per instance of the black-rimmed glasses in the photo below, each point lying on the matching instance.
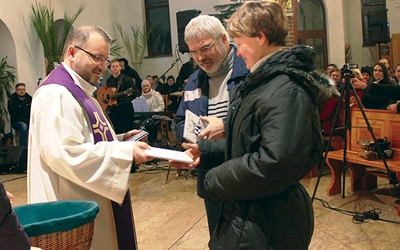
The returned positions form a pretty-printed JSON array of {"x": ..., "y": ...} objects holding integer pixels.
[
  {"x": 96, "y": 58},
  {"x": 204, "y": 50}
]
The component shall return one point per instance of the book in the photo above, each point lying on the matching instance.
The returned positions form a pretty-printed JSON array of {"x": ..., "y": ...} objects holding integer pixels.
[
  {"x": 193, "y": 126},
  {"x": 140, "y": 105},
  {"x": 168, "y": 154}
]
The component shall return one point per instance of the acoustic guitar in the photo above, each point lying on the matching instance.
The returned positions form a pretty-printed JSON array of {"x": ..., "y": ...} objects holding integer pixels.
[{"x": 107, "y": 96}]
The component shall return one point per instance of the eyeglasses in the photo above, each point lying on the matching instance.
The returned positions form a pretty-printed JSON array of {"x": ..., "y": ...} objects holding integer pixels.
[
  {"x": 98, "y": 59},
  {"x": 204, "y": 50},
  {"x": 378, "y": 70}
]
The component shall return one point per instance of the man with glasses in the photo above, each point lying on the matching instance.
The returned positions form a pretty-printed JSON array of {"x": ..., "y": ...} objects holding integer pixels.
[
  {"x": 74, "y": 153},
  {"x": 207, "y": 92},
  {"x": 19, "y": 107}
]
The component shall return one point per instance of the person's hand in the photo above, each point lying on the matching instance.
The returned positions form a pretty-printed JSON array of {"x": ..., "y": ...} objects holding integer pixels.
[
  {"x": 392, "y": 108},
  {"x": 10, "y": 196},
  {"x": 139, "y": 155},
  {"x": 358, "y": 84},
  {"x": 131, "y": 133},
  {"x": 214, "y": 130},
  {"x": 2, "y": 135},
  {"x": 192, "y": 149}
]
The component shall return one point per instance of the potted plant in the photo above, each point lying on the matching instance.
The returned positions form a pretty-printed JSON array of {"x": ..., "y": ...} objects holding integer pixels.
[
  {"x": 7, "y": 80},
  {"x": 52, "y": 33},
  {"x": 135, "y": 45}
]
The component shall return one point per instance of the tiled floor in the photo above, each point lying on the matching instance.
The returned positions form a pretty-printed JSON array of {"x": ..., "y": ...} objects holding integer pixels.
[{"x": 171, "y": 216}]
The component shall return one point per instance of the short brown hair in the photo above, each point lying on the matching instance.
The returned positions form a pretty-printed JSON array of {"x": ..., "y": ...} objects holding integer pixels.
[{"x": 260, "y": 16}]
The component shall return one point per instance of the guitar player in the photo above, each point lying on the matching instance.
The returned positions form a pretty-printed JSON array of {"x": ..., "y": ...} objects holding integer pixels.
[{"x": 121, "y": 114}]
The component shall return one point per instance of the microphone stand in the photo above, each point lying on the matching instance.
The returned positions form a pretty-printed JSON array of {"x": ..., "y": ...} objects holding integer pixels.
[{"x": 172, "y": 65}]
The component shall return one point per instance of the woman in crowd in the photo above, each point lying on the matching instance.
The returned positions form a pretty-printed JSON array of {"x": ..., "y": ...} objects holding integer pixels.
[
  {"x": 380, "y": 75},
  {"x": 155, "y": 103}
]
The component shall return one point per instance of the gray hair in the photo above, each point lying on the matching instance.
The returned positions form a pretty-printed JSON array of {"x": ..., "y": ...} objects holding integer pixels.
[{"x": 204, "y": 26}]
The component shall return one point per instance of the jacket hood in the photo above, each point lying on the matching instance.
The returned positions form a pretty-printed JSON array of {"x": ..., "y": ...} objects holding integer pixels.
[{"x": 298, "y": 63}]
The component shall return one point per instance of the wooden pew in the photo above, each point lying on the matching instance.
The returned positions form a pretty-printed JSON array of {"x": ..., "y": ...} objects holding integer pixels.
[{"x": 363, "y": 173}]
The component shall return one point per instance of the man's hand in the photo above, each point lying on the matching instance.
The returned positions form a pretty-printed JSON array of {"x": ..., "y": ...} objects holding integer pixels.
[
  {"x": 139, "y": 155},
  {"x": 193, "y": 151},
  {"x": 214, "y": 130}
]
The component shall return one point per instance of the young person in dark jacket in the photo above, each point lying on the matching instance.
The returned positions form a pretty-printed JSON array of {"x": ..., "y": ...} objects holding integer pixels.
[
  {"x": 19, "y": 107},
  {"x": 272, "y": 138},
  {"x": 206, "y": 92}
]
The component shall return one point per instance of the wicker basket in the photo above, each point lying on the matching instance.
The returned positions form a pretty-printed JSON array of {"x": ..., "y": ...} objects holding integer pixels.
[
  {"x": 79, "y": 238},
  {"x": 59, "y": 225}
]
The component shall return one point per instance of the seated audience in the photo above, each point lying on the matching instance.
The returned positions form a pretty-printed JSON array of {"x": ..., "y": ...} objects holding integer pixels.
[
  {"x": 385, "y": 91},
  {"x": 366, "y": 72},
  {"x": 397, "y": 73},
  {"x": 129, "y": 71},
  {"x": 380, "y": 75},
  {"x": 166, "y": 89},
  {"x": 6, "y": 138},
  {"x": 331, "y": 67},
  {"x": 186, "y": 70},
  {"x": 19, "y": 107},
  {"x": 155, "y": 83},
  {"x": 155, "y": 103}
]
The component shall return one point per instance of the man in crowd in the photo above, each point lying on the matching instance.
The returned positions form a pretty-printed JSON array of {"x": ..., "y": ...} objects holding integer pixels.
[
  {"x": 19, "y": 107},
  {"x": 207, "y": 91},
  {"x": 121, "y": 114}
]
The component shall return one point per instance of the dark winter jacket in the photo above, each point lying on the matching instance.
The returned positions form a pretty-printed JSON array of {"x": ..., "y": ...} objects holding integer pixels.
[
  {"x": 273, "y": 139},
  {"x": 385, "y": 91},
  {"x": 20, "y": 110}
]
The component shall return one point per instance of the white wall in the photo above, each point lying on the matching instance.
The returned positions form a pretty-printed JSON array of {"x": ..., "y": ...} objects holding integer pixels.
[{"x": 26, "y": 53}]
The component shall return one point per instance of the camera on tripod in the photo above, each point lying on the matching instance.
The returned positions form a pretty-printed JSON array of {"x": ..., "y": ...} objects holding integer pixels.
[{"x": 346, "y": 70}]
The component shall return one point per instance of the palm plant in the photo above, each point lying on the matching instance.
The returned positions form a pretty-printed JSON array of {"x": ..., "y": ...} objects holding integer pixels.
[
  {"x": 7, "y": 78},
  {"x": 51, "y": 34},
  {"x": 135, "y": 45}
]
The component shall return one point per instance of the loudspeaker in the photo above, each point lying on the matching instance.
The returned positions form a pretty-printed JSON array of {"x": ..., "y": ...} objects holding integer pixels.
[
  {"x": 182, "y": 19},
  {"x": 13, "y": 159},
  {"x": 378, "y": 26}
]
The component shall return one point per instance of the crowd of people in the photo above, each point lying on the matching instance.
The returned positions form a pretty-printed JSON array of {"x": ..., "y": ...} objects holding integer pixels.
[
  {"x": 249, "y": 158},
  {"x": 365, "y": 79}
]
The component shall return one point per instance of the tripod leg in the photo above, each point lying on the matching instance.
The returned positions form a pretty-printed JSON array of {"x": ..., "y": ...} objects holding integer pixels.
[{"x": 325, "y": 155}]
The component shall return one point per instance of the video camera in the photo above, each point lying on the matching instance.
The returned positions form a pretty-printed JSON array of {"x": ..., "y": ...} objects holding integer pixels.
[{"x": 346, "y": 70}]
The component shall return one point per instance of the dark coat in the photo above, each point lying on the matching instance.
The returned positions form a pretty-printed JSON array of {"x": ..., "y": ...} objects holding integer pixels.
[
  {"x": 20, "y": 110},
  {"x": 385, "y": 91},
  {"x": 12, "y": 234},
  {"x": 273, "y": 139}
]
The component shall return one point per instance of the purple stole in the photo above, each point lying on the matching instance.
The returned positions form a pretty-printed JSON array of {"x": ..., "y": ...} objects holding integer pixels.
[{"x": 123, "y": 215}]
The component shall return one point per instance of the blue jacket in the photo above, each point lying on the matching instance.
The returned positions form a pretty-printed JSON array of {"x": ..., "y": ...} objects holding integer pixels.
[{"x": 198, "y": 81}]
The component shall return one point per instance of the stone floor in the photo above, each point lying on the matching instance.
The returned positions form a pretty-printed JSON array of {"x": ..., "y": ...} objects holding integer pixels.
[{"x": 171, "y": 216}]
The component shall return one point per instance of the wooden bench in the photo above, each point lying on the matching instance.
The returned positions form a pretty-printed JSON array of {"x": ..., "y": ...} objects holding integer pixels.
[{"x": 363, "y": 173}]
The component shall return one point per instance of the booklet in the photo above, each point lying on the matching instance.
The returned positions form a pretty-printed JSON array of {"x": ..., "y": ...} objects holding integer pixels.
[
  {"x": 168, "y": 154},
  {"x": 193, "y": 126}
]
